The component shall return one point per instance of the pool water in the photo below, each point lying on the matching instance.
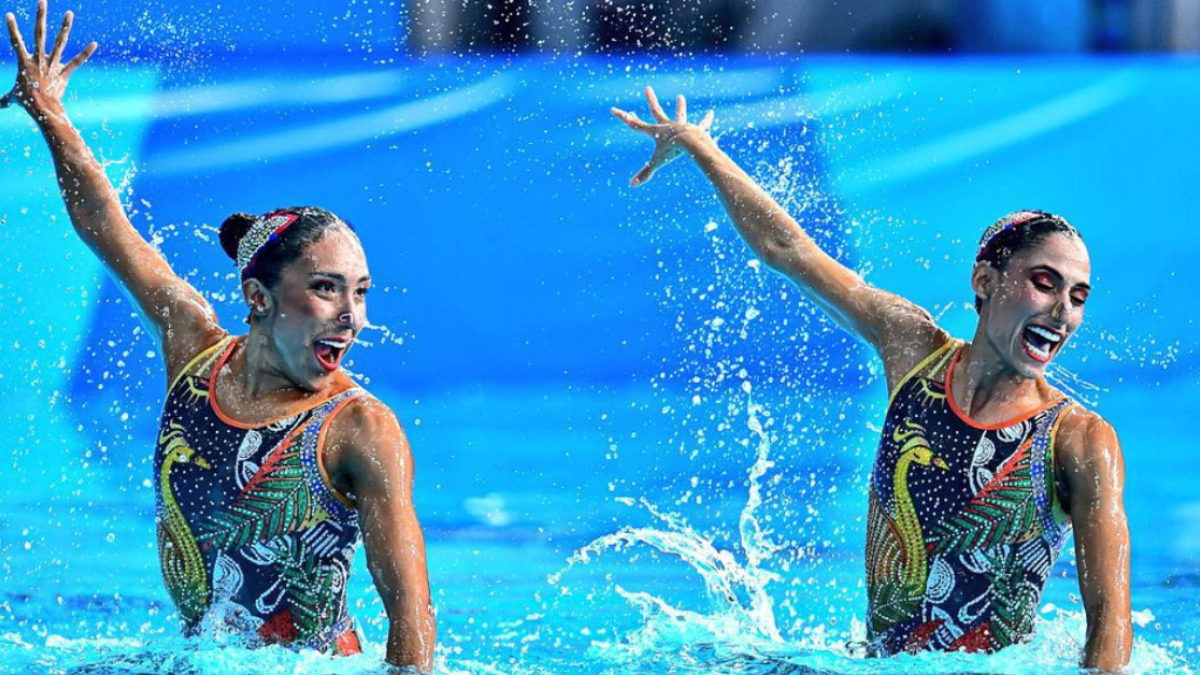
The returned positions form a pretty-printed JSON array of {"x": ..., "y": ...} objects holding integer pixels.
[{"x": 637, "y": 450}]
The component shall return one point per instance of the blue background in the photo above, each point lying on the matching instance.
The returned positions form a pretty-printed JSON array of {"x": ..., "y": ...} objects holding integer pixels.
[{"x": 547, "y": 333}]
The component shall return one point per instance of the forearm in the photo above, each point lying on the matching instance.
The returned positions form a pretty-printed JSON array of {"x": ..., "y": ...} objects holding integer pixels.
[
  {"x": 412, "y": 634},
  {"x": 774, "y": 235},
  {"x": 1104, "y": 571},
  {"x": 92, "y": 204},
  {"x": 1109, "y": 640}
]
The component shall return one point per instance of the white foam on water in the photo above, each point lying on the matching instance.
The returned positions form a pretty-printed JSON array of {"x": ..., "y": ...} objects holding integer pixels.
[{"x": 738, "y": 630}]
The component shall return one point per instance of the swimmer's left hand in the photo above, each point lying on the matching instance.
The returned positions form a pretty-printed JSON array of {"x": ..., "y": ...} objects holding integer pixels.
[
  {"x": 668, "y": 134},
  {"x": 42, "y": 77}
]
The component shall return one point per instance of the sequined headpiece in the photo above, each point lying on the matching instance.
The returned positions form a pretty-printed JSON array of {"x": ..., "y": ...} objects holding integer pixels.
[
  {"x": 1011, "y": 222},
  {"x": 263, "y": 231}
]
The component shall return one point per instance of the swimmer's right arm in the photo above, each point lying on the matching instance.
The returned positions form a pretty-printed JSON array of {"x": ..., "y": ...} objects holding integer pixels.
[
  {"x": 901, "y": 332},
  {"x": 180, "y": 318}
]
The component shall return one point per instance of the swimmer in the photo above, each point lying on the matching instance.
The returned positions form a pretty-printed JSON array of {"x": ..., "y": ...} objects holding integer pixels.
[
  {"x": 271, "y": 464},
  {"x": 983, "y": 467}
]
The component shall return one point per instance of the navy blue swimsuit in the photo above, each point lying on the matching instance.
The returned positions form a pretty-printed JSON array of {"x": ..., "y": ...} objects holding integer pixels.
[
  {"x": 252, "y": 537},
  {"x": 964, "y": 525}
]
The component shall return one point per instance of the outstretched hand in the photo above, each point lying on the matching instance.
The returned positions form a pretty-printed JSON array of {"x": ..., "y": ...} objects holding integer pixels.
[
  {"x": 666, "y": 133},
  {"x": 42, "y": 78}
]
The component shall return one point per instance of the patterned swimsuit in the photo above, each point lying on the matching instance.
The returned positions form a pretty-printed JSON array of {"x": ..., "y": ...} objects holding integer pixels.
[
  {"x": 964, "y": 524},
  {"x": 251, "y": 537}
]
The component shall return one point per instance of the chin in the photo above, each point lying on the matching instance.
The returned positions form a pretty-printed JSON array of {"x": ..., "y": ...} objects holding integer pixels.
[
  {"x": 1026, "y": 365},
  {"x": 323, "y": 380},
  {"x": 1030, "y": 367},
  {"x": 1035, "y": 372}
]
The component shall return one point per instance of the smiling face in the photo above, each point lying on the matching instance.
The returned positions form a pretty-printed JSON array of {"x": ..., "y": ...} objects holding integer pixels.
[
  {"x": 317, "y": 308},
  {"x": 1035, "y": 303}
]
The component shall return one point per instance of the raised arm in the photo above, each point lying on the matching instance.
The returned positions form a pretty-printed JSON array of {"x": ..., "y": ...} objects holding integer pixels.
[
  {"x": 901, "y": 332},
  {"x": 372, "y": 457},
  {"x": 1089, "y": 457},
  {"x": 177, "y": 315}
]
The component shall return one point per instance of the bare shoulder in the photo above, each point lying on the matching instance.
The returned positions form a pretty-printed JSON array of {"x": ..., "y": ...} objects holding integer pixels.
[
  {"x": 187, "y": 335},
  {"x": 366, "y": 443},
  {"x": 908, "y": 335},
  {"x": 1087, "y": 450},
  {"x": 1085, "y": 433},
  {"x": 181, "y": 352}
]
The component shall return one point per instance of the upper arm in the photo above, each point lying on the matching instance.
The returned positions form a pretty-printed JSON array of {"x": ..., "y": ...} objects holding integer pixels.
[
  {"x": 178, "y": 316},
  {"x": 370, "y": 455},
  {"x": 901, "y": 332},
  {"x": 1089, "y": 456},
  {"x": 906, "y": 334}
]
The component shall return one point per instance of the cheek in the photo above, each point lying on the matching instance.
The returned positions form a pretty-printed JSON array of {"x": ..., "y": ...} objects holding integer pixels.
[
  {"x": 1030, "y": 298},
  {"x": 301, "y": 306},
  {"x": 1014, "y": 298},
  {"x": 296, "y": 313}
]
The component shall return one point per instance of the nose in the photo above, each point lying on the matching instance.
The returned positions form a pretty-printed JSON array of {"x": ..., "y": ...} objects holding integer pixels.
[
  {"x": 348, "y": 317},
  {"x": 352, "y": 317},
  {"x": 351, "y": 311},
  {"x": 1057, "y": 312}
]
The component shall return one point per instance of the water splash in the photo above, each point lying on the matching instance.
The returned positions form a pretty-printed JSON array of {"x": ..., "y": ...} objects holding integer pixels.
[
  {"x": 740, "y": 608},
  {"x": 1078, "y": 388},
  {"x": 172, "y": 654},
  {"x": 738, "y": 631}
]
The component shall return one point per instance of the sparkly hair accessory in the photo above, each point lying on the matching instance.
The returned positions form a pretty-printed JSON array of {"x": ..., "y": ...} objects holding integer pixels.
[
  {"x": 1010, "y": 222},
  {"x": 264, "y": 229}
]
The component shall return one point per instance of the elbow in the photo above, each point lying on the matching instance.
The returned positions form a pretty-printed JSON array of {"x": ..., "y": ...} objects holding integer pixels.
[{"x": 775, "y": 253}]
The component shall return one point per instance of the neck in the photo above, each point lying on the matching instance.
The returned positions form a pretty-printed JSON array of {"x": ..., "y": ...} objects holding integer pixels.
[
  {"x": 982, "y": 378},
  {"x": 259, "y": 372}
]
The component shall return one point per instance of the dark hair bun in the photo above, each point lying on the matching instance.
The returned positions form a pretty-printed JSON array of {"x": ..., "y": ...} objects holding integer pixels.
[{"x": 232, "y": 230}]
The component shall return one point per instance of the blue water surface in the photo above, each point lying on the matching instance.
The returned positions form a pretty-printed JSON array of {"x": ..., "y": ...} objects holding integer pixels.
[{"x": 638, "y": 451}]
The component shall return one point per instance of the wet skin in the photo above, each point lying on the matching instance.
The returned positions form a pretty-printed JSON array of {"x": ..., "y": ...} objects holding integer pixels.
[
  {"x": 282, "y": 365},
  {"x": 322, "y": 295},
  {"x": 1029, "y": 310},
  {"x": 1045, "y": 285}
]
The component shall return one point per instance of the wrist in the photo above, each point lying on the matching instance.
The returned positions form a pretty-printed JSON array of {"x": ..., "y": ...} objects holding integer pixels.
[
  {"x": 43, "y": 109},
  {"x": 51, "y": 120},
  {"x": 694, "y": 140}
]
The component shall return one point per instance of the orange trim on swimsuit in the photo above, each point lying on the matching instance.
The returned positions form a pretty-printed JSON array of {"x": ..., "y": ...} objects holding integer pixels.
[
  {"x": 986, "y": 427},
  {"x": 321, "y": 455},
  {"x": 216, "y": 408}
]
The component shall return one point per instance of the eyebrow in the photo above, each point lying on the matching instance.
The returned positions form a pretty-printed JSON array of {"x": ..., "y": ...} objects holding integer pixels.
[
  {"x": 338, "y": 277},
  {"x": 1046, "y": 268}
]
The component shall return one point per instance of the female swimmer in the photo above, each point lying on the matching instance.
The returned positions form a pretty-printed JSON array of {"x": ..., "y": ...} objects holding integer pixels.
[
  {"x": 271, "y": 463},
  {"x": 983, "y": 467}
]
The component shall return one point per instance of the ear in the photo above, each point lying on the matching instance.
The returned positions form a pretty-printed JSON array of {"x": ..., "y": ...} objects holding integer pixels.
[
  {"x": 258, "y": 298},
  {"x": 984, "y": 278}
]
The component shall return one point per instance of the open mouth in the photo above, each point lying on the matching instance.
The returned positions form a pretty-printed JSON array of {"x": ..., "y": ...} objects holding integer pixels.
[
  {"x": 1041, "y": 343},
  {"x": 329, "y": 353}
]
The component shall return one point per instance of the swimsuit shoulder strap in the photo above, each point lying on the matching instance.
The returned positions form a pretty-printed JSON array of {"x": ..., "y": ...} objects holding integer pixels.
[
  {"x": 339, "y": 505},
  {"x": 940, "y": 357},
  {"x": 201, "y": 359},
  {"x": 1055, "y": 522}
]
